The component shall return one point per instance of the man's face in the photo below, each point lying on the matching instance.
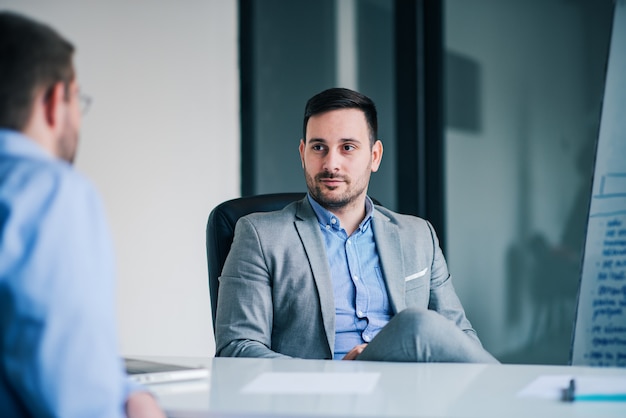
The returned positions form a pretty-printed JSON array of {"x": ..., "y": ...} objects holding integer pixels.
[
  {"x": 337, "y": 158},
  {"x": 67, "y": 142}
]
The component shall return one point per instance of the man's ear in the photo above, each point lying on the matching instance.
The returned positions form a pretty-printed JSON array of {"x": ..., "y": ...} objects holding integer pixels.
[
  {"x": 54, "y": 103},
  {"x": 377, "y": 155},
  {"x": 301, "y": 149}
]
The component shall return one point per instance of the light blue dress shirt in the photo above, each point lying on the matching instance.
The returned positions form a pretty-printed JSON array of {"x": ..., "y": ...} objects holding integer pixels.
[
  {"x": 58, "y": 343},
  {"x": 361, "y": 302}
]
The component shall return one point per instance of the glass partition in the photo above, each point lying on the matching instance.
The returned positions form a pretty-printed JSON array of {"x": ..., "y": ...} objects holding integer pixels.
[{"x": 524, "y": 92}]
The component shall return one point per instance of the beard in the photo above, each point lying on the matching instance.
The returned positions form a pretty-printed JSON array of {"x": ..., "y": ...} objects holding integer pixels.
[
  {"x": 68, "y": 143},
  {"x": 324, "y": 196}
]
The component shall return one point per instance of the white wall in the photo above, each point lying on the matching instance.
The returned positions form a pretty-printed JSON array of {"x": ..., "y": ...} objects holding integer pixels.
[{"x": 161, "y": 144}]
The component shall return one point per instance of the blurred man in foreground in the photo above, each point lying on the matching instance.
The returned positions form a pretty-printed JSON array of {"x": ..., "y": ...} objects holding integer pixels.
[{"x": 58, "y": 342}]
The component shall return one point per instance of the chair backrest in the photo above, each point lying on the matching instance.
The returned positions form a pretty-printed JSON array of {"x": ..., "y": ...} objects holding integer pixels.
[{"x": 221, "y": 229}]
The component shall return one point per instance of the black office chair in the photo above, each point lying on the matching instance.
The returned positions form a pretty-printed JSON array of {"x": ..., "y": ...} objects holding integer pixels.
[{"x": 220, "y": 231}]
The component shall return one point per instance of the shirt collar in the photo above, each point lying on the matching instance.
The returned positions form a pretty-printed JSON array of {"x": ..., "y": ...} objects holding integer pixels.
[
  {"x": 328, "y": 220},
  {"x": 16, "y": 143}
]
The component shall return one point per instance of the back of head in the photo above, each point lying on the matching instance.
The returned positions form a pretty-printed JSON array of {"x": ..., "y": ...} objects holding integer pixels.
[
  {"x": 341, "y": 98},
  {"x": 33, "y": 57}
]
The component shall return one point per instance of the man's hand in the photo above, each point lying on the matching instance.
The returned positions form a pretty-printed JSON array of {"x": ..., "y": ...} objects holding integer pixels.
[
  {"x": 143, "y": 405},
  {"x": 354, "y": 353}
]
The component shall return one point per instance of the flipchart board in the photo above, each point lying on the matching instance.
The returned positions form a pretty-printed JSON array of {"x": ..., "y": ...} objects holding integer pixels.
[{"x": 600, "y": 329}]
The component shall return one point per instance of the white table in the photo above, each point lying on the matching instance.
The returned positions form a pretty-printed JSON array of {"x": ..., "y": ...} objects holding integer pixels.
[{"x": 401, "y": 390}]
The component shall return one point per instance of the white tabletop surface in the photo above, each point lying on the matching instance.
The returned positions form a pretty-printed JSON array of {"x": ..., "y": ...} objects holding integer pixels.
[{"x": 325, "y": 388}]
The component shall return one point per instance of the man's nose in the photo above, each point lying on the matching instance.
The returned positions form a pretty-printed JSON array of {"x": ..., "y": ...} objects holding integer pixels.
[{"x": 332, "y": 161}]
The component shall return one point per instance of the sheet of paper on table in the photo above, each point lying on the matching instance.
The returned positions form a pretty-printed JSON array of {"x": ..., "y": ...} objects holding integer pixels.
[
  {"x": 551, "y": 386},
  {"x": 312, "y": 383}
]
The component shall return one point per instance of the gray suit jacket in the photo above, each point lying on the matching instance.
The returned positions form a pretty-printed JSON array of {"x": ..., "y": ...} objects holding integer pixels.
[{"x": 276, "y": 296}]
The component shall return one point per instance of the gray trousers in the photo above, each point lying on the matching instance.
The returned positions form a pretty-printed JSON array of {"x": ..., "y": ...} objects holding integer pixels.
[{"x": 419, "y": 335}]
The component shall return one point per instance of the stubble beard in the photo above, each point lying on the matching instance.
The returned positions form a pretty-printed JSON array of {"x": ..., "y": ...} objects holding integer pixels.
[
  {"x": 68, "y": 143},
  {"x": 317, "y": 190}
]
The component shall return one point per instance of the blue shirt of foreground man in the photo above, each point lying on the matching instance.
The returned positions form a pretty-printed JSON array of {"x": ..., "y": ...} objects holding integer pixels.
[
  {"x": 58, "y": 344},
  {"x": 333, "y": 275}
]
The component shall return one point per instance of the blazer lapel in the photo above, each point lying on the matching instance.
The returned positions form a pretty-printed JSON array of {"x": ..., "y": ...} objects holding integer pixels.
[
  {"x": 391, "y": 260},
  {"x": 308, "y": 228}
]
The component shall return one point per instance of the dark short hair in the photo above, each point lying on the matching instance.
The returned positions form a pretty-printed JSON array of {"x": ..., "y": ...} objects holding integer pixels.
[
  {"x": 340, "y": 98},
  {"x": 33, "y": 57}
]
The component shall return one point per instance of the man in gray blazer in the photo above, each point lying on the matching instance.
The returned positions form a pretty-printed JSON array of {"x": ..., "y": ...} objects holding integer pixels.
[{"x": 334, "y": 276}]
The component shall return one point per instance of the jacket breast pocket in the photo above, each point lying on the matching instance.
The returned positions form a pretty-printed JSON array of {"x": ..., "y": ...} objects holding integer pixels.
[{"x": 417, "y": 292}]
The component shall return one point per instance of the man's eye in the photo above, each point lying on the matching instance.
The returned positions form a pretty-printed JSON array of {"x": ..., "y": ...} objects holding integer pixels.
[
  {"x": 349, "y": 147},
  {"x": 317, "y": 148}
]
